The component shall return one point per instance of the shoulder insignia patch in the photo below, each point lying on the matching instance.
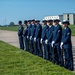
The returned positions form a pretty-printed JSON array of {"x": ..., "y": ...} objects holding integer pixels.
[{"x": 58, "y": 30}]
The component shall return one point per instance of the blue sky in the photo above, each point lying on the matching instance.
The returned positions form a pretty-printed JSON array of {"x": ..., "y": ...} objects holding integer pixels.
[{"x": 15, "y": 10}]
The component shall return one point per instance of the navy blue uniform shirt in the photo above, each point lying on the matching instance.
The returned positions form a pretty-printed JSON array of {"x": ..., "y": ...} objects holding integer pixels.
[
  {"x": 25, "y": 32},
  {"x": 57, "y": 34},
  {"x": 38, "y": 31},
  {"x": 20, "y": 30},
  {"x": 33, "y": 30},
  {"x": 49, "y": 33},
  {"x": 29, "y": 30},
  {"x": 66, "y": 37},
  {"x": 44, "y": 32}
]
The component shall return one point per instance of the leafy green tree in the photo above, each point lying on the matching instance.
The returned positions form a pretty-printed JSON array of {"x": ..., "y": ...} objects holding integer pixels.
[{"x": 11, "y": 24}]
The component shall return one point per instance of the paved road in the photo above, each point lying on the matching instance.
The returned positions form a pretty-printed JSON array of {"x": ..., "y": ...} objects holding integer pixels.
[
  {"x": 73, "y": 40},
  {"x": 11, "y": 37}
]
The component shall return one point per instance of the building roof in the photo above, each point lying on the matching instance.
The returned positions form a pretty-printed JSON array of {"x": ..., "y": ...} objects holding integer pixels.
[{"x": 68, "y": 13}]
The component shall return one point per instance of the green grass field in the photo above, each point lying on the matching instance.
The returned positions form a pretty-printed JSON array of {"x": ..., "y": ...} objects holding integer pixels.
[
  {"x": 15, "y": 28},
  {"x": 14, "y": 61},
  {"x": 72, "y": 29},
  {"x": 11, "y": 28}
]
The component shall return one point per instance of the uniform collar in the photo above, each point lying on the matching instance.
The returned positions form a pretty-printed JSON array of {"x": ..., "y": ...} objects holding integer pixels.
[
  {"x": 28, "y": 24},
  {"x": 65, "y": 28},
  {"x": 45, "y": 25},
  {"x": 25, "y": 26},
  {"x": 20, "y": 25},
  {"x": 38, "y": 24},
  {"x": 56, "y": 25},
  {"x": 33, "y": 24},
  {"x": 50, "y": 26}
]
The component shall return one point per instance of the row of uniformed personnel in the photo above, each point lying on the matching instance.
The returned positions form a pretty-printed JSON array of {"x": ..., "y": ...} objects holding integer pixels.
[{"x": 54, "y": 40}]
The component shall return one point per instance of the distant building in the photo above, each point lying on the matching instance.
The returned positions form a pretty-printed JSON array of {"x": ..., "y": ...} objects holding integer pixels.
[
  {"x": 70, "y": 17},
  {"x": 65, "y": 16}
]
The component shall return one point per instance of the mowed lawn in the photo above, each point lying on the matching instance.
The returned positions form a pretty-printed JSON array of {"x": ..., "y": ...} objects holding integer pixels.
[
  {"x": 72, "y": 29},
  {"x": 15, "y": 28},
  {"x": 10, "y": 28},
  {"x": 14, "y": 61}
]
